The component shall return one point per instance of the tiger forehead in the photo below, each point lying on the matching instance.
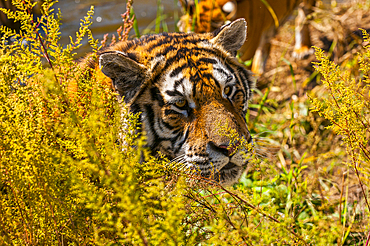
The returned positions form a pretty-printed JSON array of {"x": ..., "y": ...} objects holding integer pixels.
[
  {"x": 194, "y": 68},
  {"x": 169, "y": 45},
  {"x": 194, "y": 80},
  {"x": 203, "y": 81},
  {"x": 190, "y": 56}
]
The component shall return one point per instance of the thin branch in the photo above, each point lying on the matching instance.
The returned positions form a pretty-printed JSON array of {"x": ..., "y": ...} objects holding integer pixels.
[
  {"x": 261, "y": 212},
  {"x": 359, "y": 178},
  {"x": 367, "y": 240}
]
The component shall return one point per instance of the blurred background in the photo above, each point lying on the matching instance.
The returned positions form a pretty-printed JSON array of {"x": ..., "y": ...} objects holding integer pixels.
[
  {"x": 305, "y": 172},
  {"x": 107, "y": 17}
]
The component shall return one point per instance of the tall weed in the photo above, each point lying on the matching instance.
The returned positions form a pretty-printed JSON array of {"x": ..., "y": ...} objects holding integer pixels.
[
  {"x": 347, "y": 107},
  {"x": 66, "y": 177}
]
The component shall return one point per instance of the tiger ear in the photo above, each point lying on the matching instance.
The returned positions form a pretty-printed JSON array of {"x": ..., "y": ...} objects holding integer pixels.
[
  {"x": 127, "y": 76},
  {"x": 231, "y": 36}
]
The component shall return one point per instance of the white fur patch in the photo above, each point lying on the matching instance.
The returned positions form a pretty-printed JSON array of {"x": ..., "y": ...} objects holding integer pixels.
[
  {"x": 228, "y": 7},
  {"x": 185, "y": 89},
  {"x": 222, "y": 78}
]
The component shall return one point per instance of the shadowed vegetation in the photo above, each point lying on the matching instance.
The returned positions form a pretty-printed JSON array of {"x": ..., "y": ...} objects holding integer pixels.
[{"x": 66, "y": 179}]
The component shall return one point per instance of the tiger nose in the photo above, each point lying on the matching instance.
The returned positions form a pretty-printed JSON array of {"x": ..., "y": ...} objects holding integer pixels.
[{"x": 227, "y": 150}]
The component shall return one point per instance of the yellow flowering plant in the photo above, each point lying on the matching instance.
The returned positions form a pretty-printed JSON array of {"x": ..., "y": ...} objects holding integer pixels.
[{"x": 347, "y": 107}]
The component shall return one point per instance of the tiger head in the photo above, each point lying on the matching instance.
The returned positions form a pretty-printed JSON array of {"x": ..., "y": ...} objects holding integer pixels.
[
  {"x": 185, "y": 86},
  {"x": 209, "y": 15}
]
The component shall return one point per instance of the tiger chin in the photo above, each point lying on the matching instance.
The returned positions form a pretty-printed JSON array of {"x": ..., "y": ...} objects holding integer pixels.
[{"x": 185, "y": 86}]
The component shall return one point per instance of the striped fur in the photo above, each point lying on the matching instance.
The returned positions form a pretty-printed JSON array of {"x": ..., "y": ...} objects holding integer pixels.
[
  {"x": 184, "y": 86},
  {"x": 212, "y": 14}
]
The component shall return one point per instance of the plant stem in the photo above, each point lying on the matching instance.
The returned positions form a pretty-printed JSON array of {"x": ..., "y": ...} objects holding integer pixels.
[{"x": 263, "y": 213}]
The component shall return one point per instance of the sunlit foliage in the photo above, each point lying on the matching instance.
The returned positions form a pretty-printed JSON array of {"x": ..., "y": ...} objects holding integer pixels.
[{"x": 67, "y": 178}]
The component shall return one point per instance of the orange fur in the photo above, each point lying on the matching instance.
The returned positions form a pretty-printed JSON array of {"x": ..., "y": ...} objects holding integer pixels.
[
  {"x": 177, "y": 83},
  {"x": 260, "y": 23}
]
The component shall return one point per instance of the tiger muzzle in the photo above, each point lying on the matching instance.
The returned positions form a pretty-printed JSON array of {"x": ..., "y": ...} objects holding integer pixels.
[{"x": 219, "y": 130}]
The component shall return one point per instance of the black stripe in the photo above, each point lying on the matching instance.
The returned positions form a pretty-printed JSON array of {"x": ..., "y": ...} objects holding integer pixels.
[
  {"x": 156, "y": 138},
  {"x": 245, "y": 83},
  {"x": 156, "y": 66},
  {"x": 231, "y": 69},
  {"x": 194, "y": 87},
  {"x": 171, "y": 111},
  {"x": 156, "y": 96},
  {"x": 150, "y": 117},
  {"x": 242, "y": 78},
  {"x": 240, "y": 71},
  {"x": 236, "y": 92},
  {"x": 198, "y": 78},
  {"x": 181, "y": 54},
  {"x": 206, "y": 8},
  {"x": 178, "y": 82},
  {"x": 173, "y": 93},
  {"x": 221, "y": 71},
  {"x": 208, "y": 60},
  {"x": 167, "y": 125},
  {"x": 185, "y": 53},
  {"x": 131, "y": 44},
  {"x": 179, "y": 129},
  {"x": 175, "y": 151},
  {"x": 159, "y": 124},
  {"x": 165, "y": 38},
  {"x": 151, "y": 41},
  {"x": 178, "y": 70},
  {"x": 173, "y": 143},
  {"x": 209, "y": 77},
  {"x": 135, "y": 108}
]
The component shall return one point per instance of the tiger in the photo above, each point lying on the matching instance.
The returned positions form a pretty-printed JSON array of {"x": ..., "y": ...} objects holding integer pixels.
[
  {"x": 211, "y": 14},
  {"x": 184, "y": 86}
]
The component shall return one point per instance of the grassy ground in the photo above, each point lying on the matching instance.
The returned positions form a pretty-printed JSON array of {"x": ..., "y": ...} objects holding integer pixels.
[
  {"x": 64, "y": 179},
  {"x": 301, "y": 136}
]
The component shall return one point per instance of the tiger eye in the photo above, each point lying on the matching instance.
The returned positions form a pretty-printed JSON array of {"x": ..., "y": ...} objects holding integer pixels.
[
  {"x": 227, "y": 90},
  {"x": 181, "y": 103}
]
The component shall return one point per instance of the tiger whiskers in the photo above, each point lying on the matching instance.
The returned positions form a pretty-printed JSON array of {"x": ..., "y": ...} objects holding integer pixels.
[
  {"x": 265, "y": 147},
  {"x": 177, "y": 160},
  {"x": 179, "y": 163}
]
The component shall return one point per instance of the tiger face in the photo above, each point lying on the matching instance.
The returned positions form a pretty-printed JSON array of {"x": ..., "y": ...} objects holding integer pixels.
[{"x": 185, "y": 86}]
